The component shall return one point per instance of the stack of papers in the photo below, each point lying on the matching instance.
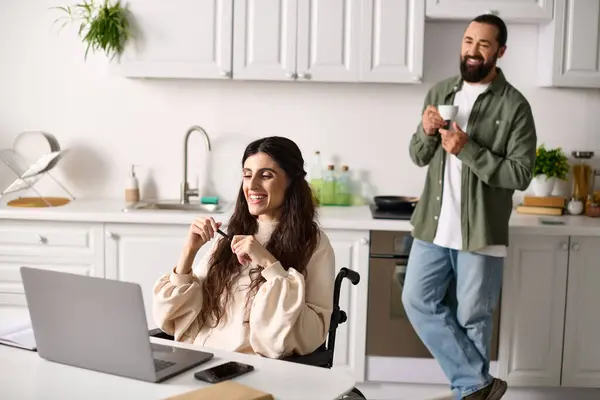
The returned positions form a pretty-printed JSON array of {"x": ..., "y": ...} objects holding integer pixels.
[{"x": 19, "y": 335}]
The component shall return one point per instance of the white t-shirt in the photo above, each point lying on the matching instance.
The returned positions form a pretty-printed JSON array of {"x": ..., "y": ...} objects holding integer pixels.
[{"x": 449, "y": 231}]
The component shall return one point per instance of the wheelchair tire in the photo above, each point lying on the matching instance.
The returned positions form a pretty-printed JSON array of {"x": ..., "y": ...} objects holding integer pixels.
[{"x": 354, "y": 394}]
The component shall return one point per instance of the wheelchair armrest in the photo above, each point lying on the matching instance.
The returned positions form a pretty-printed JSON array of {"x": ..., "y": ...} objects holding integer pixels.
[
  {"x": 157, "y": 333},
  {"x": 318, "y": 358}
]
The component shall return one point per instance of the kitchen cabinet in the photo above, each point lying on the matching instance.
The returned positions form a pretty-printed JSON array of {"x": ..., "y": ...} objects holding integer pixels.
[
  {"x": 392, "y": 41},
  {"x": 581, "y": 357},
  {"x": 532, "y": 313},
  {"x": 277, "y": 40},
  {"x": 569, "y": 46},
  {"x": 299, "y": 40},
  {"x": 62, "y": 246},
  {"x": 141, "y": 253},
  {"x": 549, "y": 288},
  {"x": 329, "y": 40},
  {"x": 332, "y": 41},
  {"x": 179, "y": 39},
  {"x": 265, "y": 39},
  {"x": 352, "y": 251},
  {"x": 511, "y": 11}
]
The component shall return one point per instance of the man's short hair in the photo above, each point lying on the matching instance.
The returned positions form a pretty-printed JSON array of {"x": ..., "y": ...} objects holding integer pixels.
[{"x": 496, "y": 21}]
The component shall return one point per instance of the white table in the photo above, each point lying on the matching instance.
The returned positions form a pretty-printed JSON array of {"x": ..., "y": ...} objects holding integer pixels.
[{"x": 25, "y": 375}]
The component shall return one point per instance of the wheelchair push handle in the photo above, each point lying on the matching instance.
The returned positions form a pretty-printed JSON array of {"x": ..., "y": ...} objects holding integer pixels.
[{"x": 353, "y": 276}]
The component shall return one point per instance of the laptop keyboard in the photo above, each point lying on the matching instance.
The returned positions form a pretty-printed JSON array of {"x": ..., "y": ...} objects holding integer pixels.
[{"x": 159, "y": 365}]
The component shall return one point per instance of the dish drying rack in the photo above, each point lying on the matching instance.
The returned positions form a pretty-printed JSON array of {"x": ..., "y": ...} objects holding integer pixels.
[{"x": 28, "y": 174}]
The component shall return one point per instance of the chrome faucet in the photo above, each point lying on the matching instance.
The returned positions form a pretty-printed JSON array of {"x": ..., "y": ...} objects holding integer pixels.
[{"x": 186, "y": 192}]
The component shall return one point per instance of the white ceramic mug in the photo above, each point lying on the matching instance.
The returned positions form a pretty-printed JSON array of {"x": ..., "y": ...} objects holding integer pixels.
[{"x": 448, "y": 113}]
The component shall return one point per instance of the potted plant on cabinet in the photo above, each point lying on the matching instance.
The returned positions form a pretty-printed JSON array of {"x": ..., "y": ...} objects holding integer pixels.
[
  {"x": 549, "y": 166},
  {"x": 103, "y": 26}
]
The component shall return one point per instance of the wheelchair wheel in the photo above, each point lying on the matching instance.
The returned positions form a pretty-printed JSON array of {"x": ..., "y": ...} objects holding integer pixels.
[{"x": 354, "y": 394}]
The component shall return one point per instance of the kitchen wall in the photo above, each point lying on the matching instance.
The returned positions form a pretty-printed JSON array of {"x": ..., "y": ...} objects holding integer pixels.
[{"x": 109, "y": 122}]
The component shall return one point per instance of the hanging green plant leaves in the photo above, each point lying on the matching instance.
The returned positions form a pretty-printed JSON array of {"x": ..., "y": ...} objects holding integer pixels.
[{"x": 105, "y": 27}]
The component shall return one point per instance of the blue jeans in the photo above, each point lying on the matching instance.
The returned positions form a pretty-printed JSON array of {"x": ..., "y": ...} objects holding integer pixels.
[{"x": 456, "y": 330}]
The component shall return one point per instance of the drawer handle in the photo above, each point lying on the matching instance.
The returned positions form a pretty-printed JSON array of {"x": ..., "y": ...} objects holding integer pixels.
[{"x": 43, "y": 239}]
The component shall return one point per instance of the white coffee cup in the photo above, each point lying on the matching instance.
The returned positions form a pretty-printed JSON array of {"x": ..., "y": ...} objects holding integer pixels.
[{"x": 448, "y": 113}]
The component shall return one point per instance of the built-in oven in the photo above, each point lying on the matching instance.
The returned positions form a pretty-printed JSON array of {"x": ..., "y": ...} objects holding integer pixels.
[{"x": 394, "y": 351}]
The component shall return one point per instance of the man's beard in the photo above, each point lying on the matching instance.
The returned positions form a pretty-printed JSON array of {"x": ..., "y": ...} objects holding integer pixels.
[{"x": 476, "y": 74}]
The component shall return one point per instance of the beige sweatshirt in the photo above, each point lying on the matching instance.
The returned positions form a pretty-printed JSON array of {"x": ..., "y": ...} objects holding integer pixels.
[{"x": 287, "y": 316}]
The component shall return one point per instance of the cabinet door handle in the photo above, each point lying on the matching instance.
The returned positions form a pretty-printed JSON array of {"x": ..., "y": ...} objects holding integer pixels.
[
  {"x": 564, "y": 246},
  {"x": 43, "y": 239},
  {"x": 363, "y": 241},
  {"x": 225, "y": 74},
  {"x": 111, "y": 235},
  {"x": 575, "y": 247},
  {"x": 291, "y": 75}
]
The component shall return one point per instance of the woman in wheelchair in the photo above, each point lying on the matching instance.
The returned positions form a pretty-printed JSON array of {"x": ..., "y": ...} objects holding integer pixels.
[{"x": 267, "y": 286}]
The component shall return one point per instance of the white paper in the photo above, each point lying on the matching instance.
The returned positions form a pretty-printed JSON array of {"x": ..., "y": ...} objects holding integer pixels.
[{"x": 19, "y": 334}]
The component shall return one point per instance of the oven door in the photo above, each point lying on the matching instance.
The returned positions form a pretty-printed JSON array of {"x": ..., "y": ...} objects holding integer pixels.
[
  {"x": 394, "y": 351},
  {"x": 389, "y": 332}
]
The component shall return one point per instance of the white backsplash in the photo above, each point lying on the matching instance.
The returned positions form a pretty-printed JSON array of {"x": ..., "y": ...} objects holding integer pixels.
[{"x": 109, "y": 122}]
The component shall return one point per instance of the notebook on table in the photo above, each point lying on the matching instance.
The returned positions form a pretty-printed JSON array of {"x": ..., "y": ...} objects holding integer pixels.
[
  {"x": 18, "y": 334},
  {"x": 226, "y": 390}
]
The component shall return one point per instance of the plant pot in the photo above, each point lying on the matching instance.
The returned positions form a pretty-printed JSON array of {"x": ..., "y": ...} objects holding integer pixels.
[{"x": 542, "y": 185}]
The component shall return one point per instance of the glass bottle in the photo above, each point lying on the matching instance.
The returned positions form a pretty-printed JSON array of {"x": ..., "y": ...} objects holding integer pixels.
[
  {"x": 342, "y": 188},
  {"x": 316, "y": 177},
  {"x": 328, "y": 188}
]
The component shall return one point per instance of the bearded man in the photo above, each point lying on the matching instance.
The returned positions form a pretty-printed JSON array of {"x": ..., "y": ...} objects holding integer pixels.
[{"x": 460, "y": 225}]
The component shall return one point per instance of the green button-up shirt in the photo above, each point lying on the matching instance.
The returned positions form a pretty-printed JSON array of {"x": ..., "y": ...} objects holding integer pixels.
[{"x": 497, "y": 159}]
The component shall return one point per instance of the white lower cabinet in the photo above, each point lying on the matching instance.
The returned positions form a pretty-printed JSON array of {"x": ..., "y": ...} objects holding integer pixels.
[
  {"x": 352, "y": 251},
  {"x": 581, "y": 357},
  {"x": 54, "y": 245},
  {"x": 141, "y": 253},
  {"x": 549, "y": 288}
]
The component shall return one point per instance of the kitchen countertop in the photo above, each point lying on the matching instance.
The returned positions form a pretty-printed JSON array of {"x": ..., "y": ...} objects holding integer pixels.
[{"x": 353, "y": 218}]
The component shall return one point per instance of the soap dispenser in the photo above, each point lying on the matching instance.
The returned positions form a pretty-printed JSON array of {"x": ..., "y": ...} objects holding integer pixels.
[{"x": 132, "y": 191}]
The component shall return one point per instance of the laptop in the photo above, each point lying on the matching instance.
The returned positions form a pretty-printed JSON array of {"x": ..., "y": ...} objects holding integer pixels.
[{"x": 99, "y": 324}]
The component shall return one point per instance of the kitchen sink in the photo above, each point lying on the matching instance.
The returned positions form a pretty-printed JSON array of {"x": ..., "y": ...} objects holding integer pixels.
[{"x": 175, "y": 205}]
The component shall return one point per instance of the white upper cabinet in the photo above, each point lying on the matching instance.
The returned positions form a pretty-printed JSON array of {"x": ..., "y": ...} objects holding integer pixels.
[
  {"x": 179, "y": 39},
  {"x": 277, "y": 40},
  {"x": 392, "y": 41},
  {"x": 265, "y": 33},
  {"x": 511, "y": 11},
  {"x": 328, "y": 40},
  {"x": 569, "y": 47}
]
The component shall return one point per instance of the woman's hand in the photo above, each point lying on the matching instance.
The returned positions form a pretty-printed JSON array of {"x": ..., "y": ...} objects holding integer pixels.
[
  {"x": 248, "y": 249},
  {"x": 202, "y": 230}
]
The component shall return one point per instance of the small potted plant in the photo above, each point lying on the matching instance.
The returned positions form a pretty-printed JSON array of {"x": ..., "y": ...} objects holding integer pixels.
[
  {"x": 549, "y": 166},
  {"x": 103, "y": 26}
]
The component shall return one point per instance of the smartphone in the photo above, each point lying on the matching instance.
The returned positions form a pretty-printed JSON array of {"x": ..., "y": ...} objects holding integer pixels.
[{"x": 223, "y": 372}]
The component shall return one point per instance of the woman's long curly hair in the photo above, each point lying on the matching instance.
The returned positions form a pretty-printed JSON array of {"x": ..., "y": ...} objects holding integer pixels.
[{"x": 292, "y": 242}]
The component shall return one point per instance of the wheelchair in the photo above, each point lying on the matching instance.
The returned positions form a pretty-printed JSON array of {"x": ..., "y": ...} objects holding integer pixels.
[{"x": 323, "y": 356}]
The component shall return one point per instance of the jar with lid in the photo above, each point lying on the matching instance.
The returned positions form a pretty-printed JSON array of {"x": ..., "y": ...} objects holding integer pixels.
[
  {"x": 582, "y": 175},
  {"x": 592, "y": 208}
]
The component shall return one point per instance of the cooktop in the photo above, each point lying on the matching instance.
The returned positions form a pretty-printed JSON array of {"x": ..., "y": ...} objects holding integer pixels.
[{"x": 381, "y": 214}]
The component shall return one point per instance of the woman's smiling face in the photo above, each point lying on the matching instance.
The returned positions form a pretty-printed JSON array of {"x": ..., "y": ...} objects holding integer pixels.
[{"x": 264, "y": 185}]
